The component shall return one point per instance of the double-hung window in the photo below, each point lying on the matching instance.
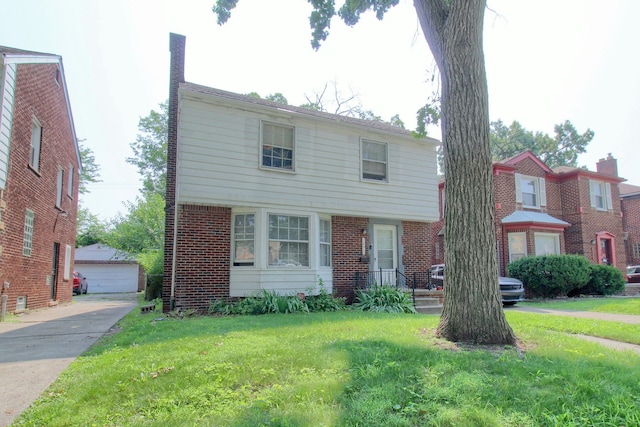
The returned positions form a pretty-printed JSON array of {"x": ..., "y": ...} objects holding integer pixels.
[
  {"x": 374, "y": 160},
  {"x": 59, "y": 187},
  {"x": 27, "y": 242},
  {"x": 36, "y": 140},
  {"x": 288, "y": 240},
  {"x": 530, "y": 191},
  {"x": 277, "y": 146},
  {"x": 600, "y": 194},
  {"x": 70, "y": 181},
  {"x": 244, "y": 239},
  {"x": 325, "y": 243},
  {"x": 517, "y": 246}
]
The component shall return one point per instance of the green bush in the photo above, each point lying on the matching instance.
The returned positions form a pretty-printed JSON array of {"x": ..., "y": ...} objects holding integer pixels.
[
  {"x": 263, "y": 302},
  {"x": 384, "y": 299},
  {"x": 324, "y": 301},
  {"x": 603, "y": 280},
  {"x": 549, "y": 276}
]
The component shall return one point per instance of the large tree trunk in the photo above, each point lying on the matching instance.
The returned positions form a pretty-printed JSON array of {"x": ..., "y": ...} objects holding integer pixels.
[{"x": 472, "y": 303}]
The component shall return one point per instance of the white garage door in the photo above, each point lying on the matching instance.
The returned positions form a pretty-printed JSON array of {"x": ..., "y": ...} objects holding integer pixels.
[{"x": 110, "y": 278}]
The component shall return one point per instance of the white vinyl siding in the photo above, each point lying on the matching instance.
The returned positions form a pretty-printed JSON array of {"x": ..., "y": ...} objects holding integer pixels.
[
  {"x": 36, "y": 142},
  {"x": 547, "y": 243},
  {"x": 27, "y": 243},
  {"x": 517, "y": 246},
  {"x": 600, "y": 194},
  {"x": 7, "y": 86},
  {"x": 374, "y": 160},
  {"x": 217, "y": 160},
  {"x": 530, "y": 191}
]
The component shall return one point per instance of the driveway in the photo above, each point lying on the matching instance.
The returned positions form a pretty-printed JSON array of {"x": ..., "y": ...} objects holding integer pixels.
[{"x": 36, "y": 347}]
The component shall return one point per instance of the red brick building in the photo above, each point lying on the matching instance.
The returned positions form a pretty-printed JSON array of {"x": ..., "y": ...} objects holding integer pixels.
[
  {"x": 39, "y": 173},
  {"x": 267, "y": 196},
  {"x": 542, "y": 211},
  {"x": 630, "y": 200}
]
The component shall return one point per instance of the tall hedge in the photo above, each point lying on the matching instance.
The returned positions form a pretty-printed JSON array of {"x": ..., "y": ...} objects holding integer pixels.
[
  {"x": 549, "y": 276},
  {"x": 603, "y": 280}
]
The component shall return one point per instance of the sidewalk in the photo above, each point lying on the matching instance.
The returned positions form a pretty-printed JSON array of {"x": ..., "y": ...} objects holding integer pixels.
[
  {"x": 616, "y": 345},
  {"x": 36, "y": 347}
]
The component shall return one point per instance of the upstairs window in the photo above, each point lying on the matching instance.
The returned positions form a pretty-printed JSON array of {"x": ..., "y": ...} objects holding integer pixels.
[
  {"x": 530, "y": 191},
  {"x": 36, "y": 140},
  {"x": 374, "y": 160},
  {"x": 244, "y": 239},
  {"x": 277, "y": 146},
  {"x": 27, "y": 242},
  {"x": 59, "y": 182},
  {"x": 70, "y": 181},
  {"x": 600, "y": 193}
]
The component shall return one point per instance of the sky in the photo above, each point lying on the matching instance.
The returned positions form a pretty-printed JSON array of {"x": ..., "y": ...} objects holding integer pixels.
[{"x": 547, "y": 61}]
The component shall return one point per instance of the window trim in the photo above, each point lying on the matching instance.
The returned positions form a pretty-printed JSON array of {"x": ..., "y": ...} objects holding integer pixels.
[
  {"x": 605, "y": 188},
  {"x": 234, "y": 262},
  {"x": 556, "y": 238},
  {"x": 29, "y": 229},
  {"x": 35, "y": 145},
  {"x": 308, "y": 241},
  {"x": 261, "y": 148},
  {"x": 362, "y": 161}
]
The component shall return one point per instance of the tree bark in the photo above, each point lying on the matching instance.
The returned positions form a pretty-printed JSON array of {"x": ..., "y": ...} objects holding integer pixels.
[{"x": 472, "y": 303}]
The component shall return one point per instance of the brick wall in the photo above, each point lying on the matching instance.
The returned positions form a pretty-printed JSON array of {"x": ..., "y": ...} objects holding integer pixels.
[
  {"x": 504, "y": 187},
  {"x": 416, "y": 256},
  {"x": 346, "y": 237},
  {"x": 631, "y": 224},
  {"x": 203, "y": 254},
  {"x": 38, "y": 94}
]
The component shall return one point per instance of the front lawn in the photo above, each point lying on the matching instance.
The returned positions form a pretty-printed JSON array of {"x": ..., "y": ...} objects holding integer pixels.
[
  {"x": 602, "y": 304},
  {"x": 345, "y": 368}
]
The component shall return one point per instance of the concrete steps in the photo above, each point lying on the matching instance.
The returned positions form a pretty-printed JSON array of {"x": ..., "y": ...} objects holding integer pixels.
[{"x": 428, "y": 301}]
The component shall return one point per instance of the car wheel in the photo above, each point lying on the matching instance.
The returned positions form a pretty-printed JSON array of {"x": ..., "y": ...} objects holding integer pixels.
[{"x": 86, "y": 290}]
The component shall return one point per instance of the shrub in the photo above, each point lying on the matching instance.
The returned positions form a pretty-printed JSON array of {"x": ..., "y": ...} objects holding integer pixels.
[
  {"x": 384, "y": 299},
  {"x": 549, "y": 276},
  {"x": 262, "y": 302},
  {"x": 324, "y": 301},
  {"x": 603, "y": 280}
]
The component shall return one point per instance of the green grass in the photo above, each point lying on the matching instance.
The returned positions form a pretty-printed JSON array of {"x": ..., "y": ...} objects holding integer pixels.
[
  {"x": 345, "y": 368},
  {"x": 603, "y": 304}
]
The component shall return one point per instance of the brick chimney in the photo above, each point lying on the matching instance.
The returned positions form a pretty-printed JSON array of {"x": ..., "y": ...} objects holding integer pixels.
[{"x": 608, "y": 166}]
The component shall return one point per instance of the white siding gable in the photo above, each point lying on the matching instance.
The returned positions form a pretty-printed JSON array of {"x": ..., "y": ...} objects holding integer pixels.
[{"x": 219, "y": 162}]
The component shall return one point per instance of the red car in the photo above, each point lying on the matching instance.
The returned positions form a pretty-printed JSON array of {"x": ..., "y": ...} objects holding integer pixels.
[
  {"x": 80, "y": 284},
  {"x": 633, "y": 274}
]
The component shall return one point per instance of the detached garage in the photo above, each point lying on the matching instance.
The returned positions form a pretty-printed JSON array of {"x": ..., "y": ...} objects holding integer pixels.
[{"x": 108, "y": 270}]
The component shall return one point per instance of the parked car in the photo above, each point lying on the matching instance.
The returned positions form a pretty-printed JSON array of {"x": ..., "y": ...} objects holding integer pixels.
[
  {"x": 512, "y": 290},
  {"x": 633, "y": 274},
  {"x": 80, "y": 283}
]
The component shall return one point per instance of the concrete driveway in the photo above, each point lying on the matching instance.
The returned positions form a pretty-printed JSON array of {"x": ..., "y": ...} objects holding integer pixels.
[{"x": 36, "y": 347}]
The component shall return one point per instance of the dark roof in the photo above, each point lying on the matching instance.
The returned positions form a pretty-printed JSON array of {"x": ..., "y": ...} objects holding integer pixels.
[
  {"x": 628, "y": 189},
  {"x": 13, "y": 50},
  {"x": 298, "y": 110}
]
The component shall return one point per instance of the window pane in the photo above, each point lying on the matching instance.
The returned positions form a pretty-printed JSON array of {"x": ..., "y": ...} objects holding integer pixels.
[
  {"x": 243, "y": 233},
  {"x": 288, "y": 241},
  {"x": 529, "y": 192},
  {"x": 547, "y": 244},
  {"x": 277, "y": 146}
]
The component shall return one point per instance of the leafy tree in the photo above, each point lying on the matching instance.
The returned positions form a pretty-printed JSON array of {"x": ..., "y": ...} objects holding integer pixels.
[
  {"x": 142, "y": 229},
  {"x": 90, "y": 171},
  {"x": 275, "y": 97},
  {"x": 150, "y": 150},
  {"x": 90, "y": 229},
  {"x": 453, "y": 29},
  {"x": 561, "y": 150}
]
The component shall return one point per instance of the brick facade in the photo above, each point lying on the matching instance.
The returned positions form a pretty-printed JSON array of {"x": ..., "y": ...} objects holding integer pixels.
[
  {"x": 567, "y": 199},
  {"x": 39, "y": 93},
  {"x": 202, "y": 256},
  {"x": 630, "y": 206},
  {"x": 416, "y": 251},
  {"x": 347, "y": 259}
]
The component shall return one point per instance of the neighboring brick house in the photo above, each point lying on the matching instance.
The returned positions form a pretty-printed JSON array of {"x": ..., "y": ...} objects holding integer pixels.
[
  {"x": 39, "y": 172},
  {"x": 262, "y": 195},
  {"x": 543, "y": 211},
  {"x": 630, "y": 200}
]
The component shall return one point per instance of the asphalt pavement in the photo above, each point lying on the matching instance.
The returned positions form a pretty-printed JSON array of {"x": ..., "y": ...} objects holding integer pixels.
[{"x": 36, "y": 347}]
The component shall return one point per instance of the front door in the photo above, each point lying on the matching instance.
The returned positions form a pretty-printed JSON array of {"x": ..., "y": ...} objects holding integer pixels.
[
  {"x": 385, "y": 253},
  {"x": 54, "y": 270}
]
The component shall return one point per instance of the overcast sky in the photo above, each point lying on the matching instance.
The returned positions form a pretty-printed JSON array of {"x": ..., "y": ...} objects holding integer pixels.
[{"x": 547, "y": 61}]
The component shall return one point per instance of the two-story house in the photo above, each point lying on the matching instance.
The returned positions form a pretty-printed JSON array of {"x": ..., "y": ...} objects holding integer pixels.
[
  {"x": 539, "y": 211},
  {"x": 262, "y": 195},
  {"x": 39, "y": 172}
]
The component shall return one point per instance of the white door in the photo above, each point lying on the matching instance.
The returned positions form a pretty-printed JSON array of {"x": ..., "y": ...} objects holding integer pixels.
[{"x": 385, "y": 254}]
